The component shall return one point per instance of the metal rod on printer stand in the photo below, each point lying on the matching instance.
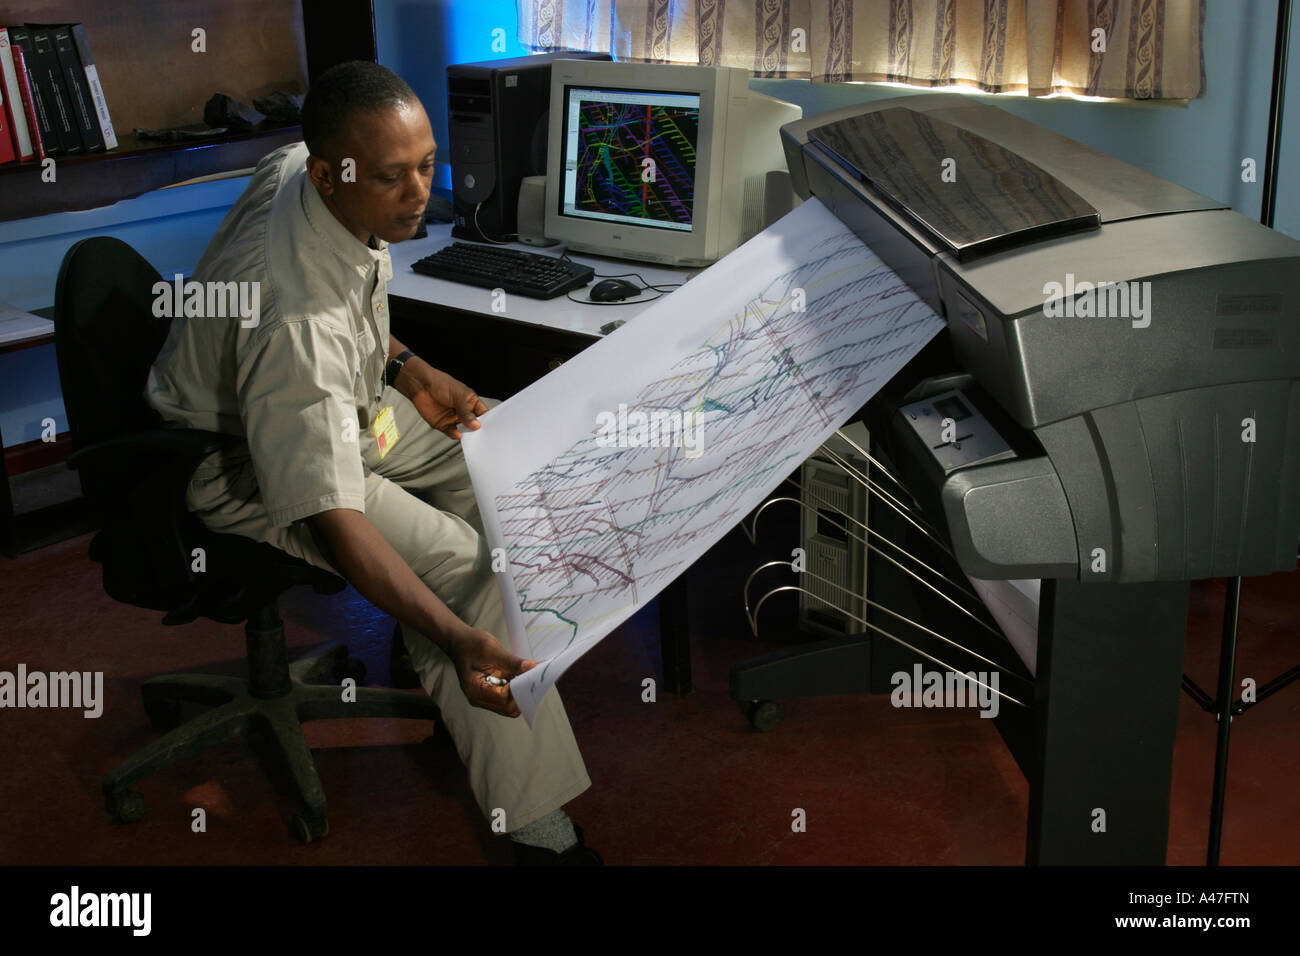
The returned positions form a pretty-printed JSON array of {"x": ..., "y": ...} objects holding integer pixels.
[
  {"x": 1228, "y": 648},
  {"x": 1223, "y": 704},
  {"x": 868, "y": 456},
  {"x": 897, "y": 640},
  {"x": 1273, "y": 148},
  {"x": 906, "y": 513},
  {"x": 753, "y": 618},
  {"x": 864, "y": 479},
  {"x": 901, "y": 550},
  {"x": 893, "y": 544}
]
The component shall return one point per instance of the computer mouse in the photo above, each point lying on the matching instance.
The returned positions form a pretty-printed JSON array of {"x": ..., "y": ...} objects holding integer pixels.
[{"x": 614, "y": 290}]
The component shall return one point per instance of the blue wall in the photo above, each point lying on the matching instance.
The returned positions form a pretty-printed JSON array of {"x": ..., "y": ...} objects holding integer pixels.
[
  {"x": 418, "y": 39},
  {"x": 1199, "y": 145},
  {"x": 169, "y": 227}
]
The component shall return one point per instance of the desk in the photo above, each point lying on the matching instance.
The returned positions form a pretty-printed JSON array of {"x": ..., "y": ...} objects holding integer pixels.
[
  {"x": 18, "y": 330},
  {"x": 455, "y": 328}
]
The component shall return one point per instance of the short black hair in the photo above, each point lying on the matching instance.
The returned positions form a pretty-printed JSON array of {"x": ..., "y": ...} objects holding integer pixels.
[{"x": 342, "y": 90}]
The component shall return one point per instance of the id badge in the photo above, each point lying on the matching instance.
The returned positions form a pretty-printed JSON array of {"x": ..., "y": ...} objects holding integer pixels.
[{"x": 384, "y": 428}]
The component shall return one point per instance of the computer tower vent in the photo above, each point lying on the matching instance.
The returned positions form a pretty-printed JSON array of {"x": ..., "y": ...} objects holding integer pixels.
[{"x": 835, "y": 507}]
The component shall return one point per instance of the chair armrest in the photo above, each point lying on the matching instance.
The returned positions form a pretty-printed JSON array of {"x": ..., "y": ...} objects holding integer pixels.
[{"x": 184, "y": 445}]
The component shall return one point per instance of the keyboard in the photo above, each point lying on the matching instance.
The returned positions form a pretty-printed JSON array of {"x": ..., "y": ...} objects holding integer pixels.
[{"x": 492, "y": 267}]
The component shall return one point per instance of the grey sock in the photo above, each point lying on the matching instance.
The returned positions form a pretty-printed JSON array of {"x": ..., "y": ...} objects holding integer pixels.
[{"x": 552, "y": 832}]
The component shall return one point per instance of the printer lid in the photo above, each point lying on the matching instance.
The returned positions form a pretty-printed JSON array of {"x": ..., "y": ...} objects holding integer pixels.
[
  {"x": 1016, "y": 183},
  {"x": 969, "y": 194}
]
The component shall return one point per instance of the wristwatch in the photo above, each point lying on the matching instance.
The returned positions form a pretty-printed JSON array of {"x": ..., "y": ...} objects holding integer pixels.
[{"x": 395, "y": 367}]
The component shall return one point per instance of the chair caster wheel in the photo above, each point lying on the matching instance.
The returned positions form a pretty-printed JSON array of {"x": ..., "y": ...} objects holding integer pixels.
[
  {"x": 763, "y": 715},
  {"x": 307, "y": 827},
  {"x": 350, "y": 667},
  {"x": 164, "y": 715},
  {"x": 124, "y": 806}
]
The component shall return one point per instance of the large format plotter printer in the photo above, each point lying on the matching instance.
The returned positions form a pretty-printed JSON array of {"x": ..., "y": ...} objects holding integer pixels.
[{"x": 1114, "y": 456}]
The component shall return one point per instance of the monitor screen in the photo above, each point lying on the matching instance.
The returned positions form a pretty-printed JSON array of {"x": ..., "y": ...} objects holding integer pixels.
[{"x": 629, "y": 156}]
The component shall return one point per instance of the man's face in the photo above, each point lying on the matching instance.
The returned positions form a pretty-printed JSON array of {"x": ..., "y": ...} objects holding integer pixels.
[{"x": 393, "y": 149}]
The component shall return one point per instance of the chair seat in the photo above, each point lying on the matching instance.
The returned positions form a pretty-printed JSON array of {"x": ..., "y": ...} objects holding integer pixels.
[
  {"x": 257, "y": 557},
  {"x": 238, "y": 576}
]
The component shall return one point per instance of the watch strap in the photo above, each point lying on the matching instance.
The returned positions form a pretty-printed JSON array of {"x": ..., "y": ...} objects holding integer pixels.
[{"x": 394, "y": 367}]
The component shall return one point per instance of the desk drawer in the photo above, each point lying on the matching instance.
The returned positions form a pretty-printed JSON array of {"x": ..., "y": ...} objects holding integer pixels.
[{"x": 528, "y": 363}]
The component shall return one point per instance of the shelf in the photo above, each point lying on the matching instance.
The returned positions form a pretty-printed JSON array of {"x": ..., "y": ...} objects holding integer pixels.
[{"x": 134, "y": 168}]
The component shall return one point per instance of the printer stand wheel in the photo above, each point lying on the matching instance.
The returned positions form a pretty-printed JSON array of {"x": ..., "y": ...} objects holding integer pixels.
[
  {"x": 307, "y": 827},
  {"x": 124, "y": 805},
  {"x": 763, "y": 715}
]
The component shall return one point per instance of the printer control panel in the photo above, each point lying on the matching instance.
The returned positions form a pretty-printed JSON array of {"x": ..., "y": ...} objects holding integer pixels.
[{"x": 956, "y": 432}]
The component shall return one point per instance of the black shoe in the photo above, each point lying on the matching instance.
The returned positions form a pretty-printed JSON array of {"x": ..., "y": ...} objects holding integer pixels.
[
  {"x": 400, "y": 672},
  {"x": 577, "y": 855}
]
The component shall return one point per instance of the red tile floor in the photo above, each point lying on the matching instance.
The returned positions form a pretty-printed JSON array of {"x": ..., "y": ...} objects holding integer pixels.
[{"x": 678, "y": 781}]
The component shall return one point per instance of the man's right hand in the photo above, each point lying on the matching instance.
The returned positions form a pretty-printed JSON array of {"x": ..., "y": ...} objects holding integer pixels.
[
  {"x": 477, "y": 655},
  {"x": 356, "y": 548}
]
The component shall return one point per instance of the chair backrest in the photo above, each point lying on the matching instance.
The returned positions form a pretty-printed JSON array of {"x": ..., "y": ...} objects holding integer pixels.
[{"x": 106, "y": 336}]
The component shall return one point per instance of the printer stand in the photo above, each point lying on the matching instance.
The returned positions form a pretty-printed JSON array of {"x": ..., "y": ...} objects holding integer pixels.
[
  {"x": 1105, "y": 716},
  {"x": 1097, "y": 744}
]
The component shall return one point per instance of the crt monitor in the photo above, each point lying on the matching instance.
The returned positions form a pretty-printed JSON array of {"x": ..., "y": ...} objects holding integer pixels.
[{"x": 662, "y": 163}]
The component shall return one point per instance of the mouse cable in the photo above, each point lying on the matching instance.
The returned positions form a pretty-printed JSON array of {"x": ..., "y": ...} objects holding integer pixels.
[{"x": 663, "y": 287}]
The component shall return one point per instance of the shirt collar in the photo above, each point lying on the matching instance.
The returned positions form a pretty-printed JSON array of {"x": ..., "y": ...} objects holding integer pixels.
[{"x": 334, "y": 234}]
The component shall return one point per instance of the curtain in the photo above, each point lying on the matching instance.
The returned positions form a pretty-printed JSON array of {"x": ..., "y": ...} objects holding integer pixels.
[
  {"x": 1135, "y": 49},
  {"x": 758, "y": 35}
]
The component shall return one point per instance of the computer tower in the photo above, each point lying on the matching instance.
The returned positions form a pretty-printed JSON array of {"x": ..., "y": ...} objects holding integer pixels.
[
  {"x": 498, "y": 120},
  {"x": 832, "y": 543},
  {"x": 336, "y": 33}
]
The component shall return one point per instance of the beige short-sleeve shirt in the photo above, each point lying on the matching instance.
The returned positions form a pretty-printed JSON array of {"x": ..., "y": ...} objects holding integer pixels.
[{"x": 302, "y": 385}]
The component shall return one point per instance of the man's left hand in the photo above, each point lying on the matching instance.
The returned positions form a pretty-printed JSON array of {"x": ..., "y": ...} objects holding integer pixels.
[{"x": 443, "y": 402}]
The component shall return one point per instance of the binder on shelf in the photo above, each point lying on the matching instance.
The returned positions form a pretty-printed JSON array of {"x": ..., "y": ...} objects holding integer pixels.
[
  {"x": 82, "y": 106},
  {"x": 15, "y": 108},
  {"x": 20, "y": 40},
  {"x": 93, "y": 84},
  {"x": 43, "y": 66},
  {"x": 8, "y": 148},
  {"x": 29, "y": 100}
]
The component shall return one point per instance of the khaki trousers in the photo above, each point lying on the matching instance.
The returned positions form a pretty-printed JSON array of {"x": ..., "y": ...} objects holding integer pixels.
[{"x": 419, "y": 497}]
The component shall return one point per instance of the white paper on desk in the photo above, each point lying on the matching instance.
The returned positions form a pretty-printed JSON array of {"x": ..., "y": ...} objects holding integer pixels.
[
  {"x": 593, "y": 532},
  {"x": 17, "y": 325}
]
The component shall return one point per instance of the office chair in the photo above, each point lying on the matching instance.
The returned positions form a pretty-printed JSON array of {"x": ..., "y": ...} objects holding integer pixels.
[{"x": 134, "y": 474}]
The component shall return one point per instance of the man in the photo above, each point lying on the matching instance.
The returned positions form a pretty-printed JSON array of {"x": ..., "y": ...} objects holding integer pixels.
[{"x": 351, "y": 459}]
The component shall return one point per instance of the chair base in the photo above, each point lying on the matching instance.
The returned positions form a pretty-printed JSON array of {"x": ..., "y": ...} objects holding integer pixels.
[{"x": 236, "y": 710}]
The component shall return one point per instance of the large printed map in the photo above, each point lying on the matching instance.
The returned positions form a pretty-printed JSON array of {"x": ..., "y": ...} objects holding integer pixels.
[{"x": 608, "y": 478}]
